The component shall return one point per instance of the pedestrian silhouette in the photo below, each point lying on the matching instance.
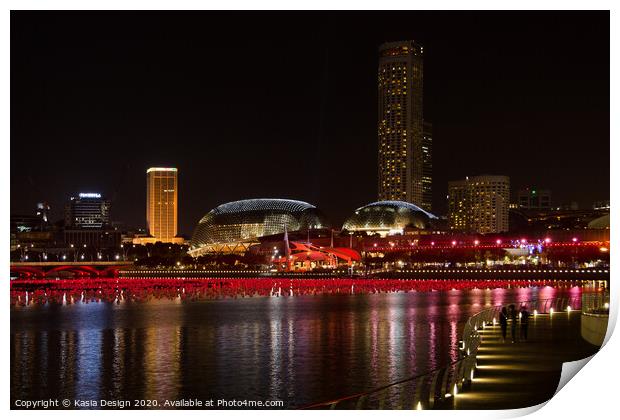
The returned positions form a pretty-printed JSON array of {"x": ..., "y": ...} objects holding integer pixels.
[
  {"x": 513, "y": 323},
  {"x": 525, "y": 320},
  {"x": 503, "y": 322}
]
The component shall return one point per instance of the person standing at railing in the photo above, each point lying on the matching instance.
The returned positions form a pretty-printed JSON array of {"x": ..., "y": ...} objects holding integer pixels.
[
  {"x": 525, "y": 321},
  {"x": 513, "y": 323},
  {"x": 503, "y": 322}
]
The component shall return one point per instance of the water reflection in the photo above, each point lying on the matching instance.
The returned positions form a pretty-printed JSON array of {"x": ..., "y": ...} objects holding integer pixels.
[{"x": 300, "y": 349}]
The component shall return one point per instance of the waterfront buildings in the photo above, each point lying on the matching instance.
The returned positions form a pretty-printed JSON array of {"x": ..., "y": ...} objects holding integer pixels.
[
  {"x": 479, "y": 204},
  {"x": 534, "y": 199},
  {"x": 161, "y": 206},
  {"x": 233, "y": 227},
  {"x": 87, "y": 211},
  {"x": 388, "y": 218},
  {"x": 400, "y": 127}
]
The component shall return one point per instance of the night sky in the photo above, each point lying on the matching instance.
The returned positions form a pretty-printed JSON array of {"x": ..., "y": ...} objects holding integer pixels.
[{"x": 283, "y": 104}]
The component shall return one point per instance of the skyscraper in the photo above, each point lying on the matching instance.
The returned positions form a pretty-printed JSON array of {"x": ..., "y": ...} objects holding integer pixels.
[
  {"x": 479, "y": 204},
  {"x": 87, "y": 211},
  {"x": 161, "y": 204},
  {"x": 427, "y": 166},
  {"x": 400, "y": 128}
]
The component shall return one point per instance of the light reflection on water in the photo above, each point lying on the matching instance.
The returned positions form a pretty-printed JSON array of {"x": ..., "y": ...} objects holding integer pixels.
[{"x": 300, "y": 349}]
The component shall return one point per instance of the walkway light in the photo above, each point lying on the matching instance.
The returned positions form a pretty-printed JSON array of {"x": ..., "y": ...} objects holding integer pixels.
[
  {"x": 606, "y": 306},
  {"x": 551, "y": 311},
  {"x": 568, "y": 308},
  {"x": 535, "y": 312},
  {"x": 455, "y": 390},
  {"x": 419, "y": 406}
]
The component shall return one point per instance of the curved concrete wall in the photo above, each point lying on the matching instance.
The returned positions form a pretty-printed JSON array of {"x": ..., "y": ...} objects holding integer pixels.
[{"x": 594, "y": 328}]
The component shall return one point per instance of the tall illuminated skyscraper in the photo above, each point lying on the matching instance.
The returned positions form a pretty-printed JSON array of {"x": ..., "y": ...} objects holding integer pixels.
[
  {"x": 400, "y": 128},
  {"x": 161, "y": 204},
  {"x": 427, "y": 166}
]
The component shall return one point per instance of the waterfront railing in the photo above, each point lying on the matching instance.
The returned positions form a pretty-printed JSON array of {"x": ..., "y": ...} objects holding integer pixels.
[{"x": 439, "y": 385}]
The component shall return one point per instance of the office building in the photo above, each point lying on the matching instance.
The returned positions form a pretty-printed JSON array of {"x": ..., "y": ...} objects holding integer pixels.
[
  {"x": 400, "y": 128},
  {"x": 534, "y": 199},
  {"x": 161, "y": 205},
  {"x": 479, "y": 204},
  {"x": 87, "y": 211}
]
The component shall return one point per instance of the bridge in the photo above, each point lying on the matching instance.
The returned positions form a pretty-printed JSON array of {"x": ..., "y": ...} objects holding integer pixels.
[
  {"x": 80, "y": 269},
  {"x": 490, "y": 373}
]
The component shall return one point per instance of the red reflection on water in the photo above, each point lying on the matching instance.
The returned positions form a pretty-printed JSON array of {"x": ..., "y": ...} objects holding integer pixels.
[{"x": 26, "y": 292}]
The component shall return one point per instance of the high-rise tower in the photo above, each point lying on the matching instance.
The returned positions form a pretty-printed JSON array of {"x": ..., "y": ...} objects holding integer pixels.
[
  {"x": 427, "y": 166},
  {"x": 400, "y": 127},
  {"x": 161, "y": 203}
]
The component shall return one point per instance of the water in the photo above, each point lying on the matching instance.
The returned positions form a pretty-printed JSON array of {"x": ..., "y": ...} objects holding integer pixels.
[{"x": 300, "y": 350}]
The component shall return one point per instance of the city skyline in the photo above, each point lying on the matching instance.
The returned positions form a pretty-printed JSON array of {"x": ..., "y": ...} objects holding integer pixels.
[{"x": 515, "y": 116}]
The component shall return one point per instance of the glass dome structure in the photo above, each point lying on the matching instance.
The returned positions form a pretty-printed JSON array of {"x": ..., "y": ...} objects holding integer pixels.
[
  {"x": 234, "y": 226},
  {"x": 388, "y": 217}
]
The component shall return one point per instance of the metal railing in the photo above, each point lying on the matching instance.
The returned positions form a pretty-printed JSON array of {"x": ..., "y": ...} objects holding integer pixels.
[
  {"x": 427, "y": 390},
  {"x": 595, "y": 302}
]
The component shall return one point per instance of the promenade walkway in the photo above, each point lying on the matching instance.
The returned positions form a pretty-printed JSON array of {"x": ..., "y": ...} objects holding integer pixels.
[{"x": 525, "y": 373}]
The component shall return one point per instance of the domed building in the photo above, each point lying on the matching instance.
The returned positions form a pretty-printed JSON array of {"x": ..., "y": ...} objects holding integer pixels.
[
  {"x": 389, "y": 218},
  {"x": 233, "y": 227}
]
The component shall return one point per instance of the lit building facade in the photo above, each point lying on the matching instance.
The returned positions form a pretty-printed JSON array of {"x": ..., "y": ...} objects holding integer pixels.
[
  {"x": 479, "y": 204},
  {"x": 400, "y": 128},
  {"x": 534, "y": 199},
  {"x": 233, "y": 227},
  {"x": 388, "y": 218},
  {"x": 161, "y": 205},
  {"x": 427, "y": 166},
  {"x": 87, "y": 211}
]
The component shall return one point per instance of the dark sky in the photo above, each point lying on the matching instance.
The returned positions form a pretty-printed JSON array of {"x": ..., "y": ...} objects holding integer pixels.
[{"x": 283, "y": 104}]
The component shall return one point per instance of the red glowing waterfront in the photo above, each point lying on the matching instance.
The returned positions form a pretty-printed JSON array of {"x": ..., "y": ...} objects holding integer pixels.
[{"x": 25, "y": 292}]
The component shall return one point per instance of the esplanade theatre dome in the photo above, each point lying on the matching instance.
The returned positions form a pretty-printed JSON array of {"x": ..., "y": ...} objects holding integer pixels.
[
  {"x": 234, "y": 226},
  {"x": 388, "y": 217}
]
